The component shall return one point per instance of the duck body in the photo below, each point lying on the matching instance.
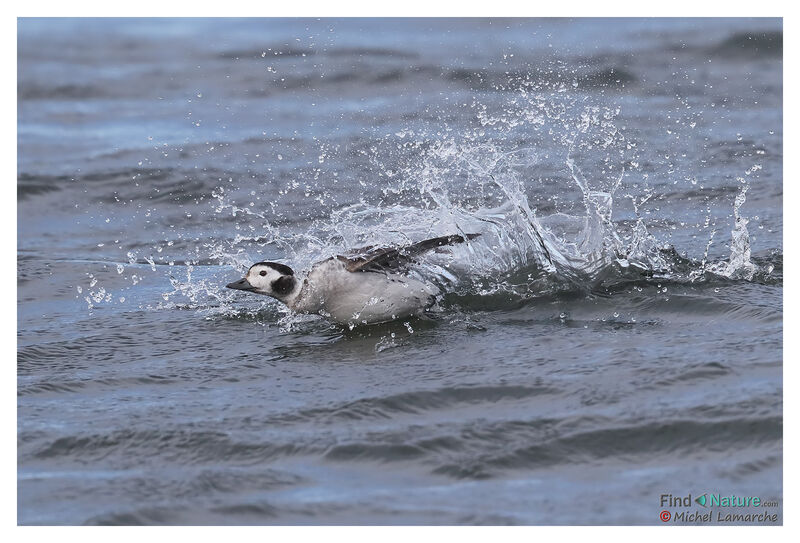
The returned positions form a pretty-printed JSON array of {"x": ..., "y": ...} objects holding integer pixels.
[{"x": 351, "y": 298}]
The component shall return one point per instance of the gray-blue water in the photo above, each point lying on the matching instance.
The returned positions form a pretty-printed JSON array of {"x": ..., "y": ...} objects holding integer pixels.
[{"x": 614, "y": 334}]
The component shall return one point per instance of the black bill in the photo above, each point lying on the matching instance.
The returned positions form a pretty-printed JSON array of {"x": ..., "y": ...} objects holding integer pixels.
[{"x": 241, "y": 284}]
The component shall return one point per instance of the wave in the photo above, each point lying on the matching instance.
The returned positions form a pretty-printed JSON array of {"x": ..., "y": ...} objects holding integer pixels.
[
  {"x": 269, "y": 52},
  {"x": 475, "y": 450},
  {"x": 768, "y": 44},
  {"x": 375, "y": 67},
  {"x": 668, "y": 437},
  {"x": 191, "y": 447},
  {"x": 412, "y": 403}
]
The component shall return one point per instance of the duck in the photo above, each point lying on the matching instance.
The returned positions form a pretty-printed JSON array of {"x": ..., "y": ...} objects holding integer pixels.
[{"x": 371, "y": 285}]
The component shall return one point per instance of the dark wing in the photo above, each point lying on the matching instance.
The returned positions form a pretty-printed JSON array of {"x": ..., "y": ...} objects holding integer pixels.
[{"x": 388, "y": 258}]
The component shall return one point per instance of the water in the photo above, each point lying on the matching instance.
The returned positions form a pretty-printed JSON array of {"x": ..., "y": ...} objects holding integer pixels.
[{"x": 614, "y": 334}]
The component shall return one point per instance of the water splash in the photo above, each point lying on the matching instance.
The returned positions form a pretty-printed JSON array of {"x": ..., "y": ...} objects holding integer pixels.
[
  {"x": 739, "y": 265},
  {"x": 481, "y": 180}
]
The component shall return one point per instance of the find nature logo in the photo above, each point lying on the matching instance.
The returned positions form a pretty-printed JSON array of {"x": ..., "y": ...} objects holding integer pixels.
[{"x": 724, "y": 506}]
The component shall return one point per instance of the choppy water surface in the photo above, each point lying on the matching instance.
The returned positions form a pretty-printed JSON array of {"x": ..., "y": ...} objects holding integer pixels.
[{"x": 614, "y": 334}]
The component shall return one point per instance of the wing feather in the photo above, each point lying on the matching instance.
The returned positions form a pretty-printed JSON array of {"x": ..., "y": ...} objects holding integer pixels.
[{"x": 383, "y": 259}]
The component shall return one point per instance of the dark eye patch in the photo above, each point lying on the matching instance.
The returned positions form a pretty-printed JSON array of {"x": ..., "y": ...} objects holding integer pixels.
[
  {"x": 262, "y": 273},
  {"x": 283, "y": 285}
]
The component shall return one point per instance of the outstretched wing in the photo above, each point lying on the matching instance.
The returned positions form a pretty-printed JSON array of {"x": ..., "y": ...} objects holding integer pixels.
[{"x": 392, "y": 258}]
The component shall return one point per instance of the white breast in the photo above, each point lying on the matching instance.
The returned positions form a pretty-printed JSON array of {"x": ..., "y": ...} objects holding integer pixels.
[{"x": 361, "y": 297}]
